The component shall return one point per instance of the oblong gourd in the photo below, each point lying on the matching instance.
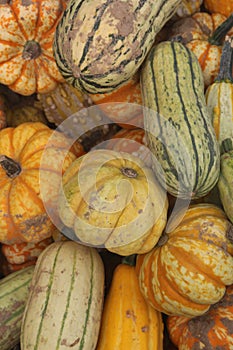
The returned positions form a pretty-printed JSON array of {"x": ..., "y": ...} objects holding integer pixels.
[
  {"x": 138, "y": 326},
  {"x": 65, "y": 301},
  {"x": 14, "y": 290},
  {"x": 99, "y": 45},
  {"x": 177, "y": 122}
]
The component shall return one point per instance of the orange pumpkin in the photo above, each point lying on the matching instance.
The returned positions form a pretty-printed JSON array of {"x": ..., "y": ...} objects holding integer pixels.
[
  {"x": 27, "y": 30},
  {"x": 123, "y": 105},
  {"x": 204, "y": 34},
  {"x": 22, "y": 173},
  {"x": 21, "y": 253},
  {"x": 224, "y": 7},
  {"x": 213, "y": 330},
  {"x": 128, "y": 321},
  {"x": 190, "y": 267}
]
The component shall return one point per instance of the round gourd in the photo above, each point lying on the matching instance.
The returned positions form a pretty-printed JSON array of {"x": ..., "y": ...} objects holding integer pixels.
[
  {"x": 137, "y": 325},
  {"x": 99, "y": 46},
  {"x": 204, "y": 33},
  {"x": 27, "y": 30},
  {"x": 20, "y": 253},
  {"x": 221, "y": 6},
  {"x": 190, "y": 267},
  {"x": 210, "y": 331},
  {"x": 64, "y": 305},
  {"x": 111, "y": 199},
  {"x": 23, "y": 217}
]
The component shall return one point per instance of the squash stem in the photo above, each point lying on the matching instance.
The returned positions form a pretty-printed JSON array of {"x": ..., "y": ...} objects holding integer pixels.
[
  {"x": 226, "y": 146},
  {"x": 225, "y": 69},
  {"x": 31, "y": 50},
  {"x": 130, "y": 260},
  {"x": 11, "y": 167},
  {"x": 221, "y": 31}
]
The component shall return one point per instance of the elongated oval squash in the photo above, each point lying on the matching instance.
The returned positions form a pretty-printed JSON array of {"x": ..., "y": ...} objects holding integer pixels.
[
  {"x": 14, "y": 290},
  {"x": 128, "y": 321},
  {"x": 100, "y": 44},
  {"x": 65, "y": 301},
  {"x": 177, "y": 123}
]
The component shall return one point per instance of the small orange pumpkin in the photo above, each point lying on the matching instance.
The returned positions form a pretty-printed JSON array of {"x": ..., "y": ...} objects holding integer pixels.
[
  {"x": 224, "y": 7},
  {"x": 204, "y": 34},
  {"x": 213, "y": 330},
  {"x": 27, "y": 30},
  {"x": 22, "y": 213},
  {"x": 190, "y": 267},
  {"x": 128, "y": 321}
]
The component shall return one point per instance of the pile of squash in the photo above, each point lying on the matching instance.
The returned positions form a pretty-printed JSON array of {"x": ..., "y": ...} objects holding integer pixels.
[{"x": 116, "y": 174}]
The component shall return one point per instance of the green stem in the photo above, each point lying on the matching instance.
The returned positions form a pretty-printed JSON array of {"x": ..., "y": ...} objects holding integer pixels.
[
  {"x": 226, "y": 145},
  {"x": 130, "y": 260},
  {"x": 225, "y": 69},
  {"x": 221, "y": 31}
]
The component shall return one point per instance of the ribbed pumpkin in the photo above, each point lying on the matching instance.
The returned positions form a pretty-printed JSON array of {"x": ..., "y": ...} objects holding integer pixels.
[
  {"x": 220, "y": 6},
  {"x": 124, "y": 104},
  {"x": 191, "y": 265},
  {"x": 219, "y": 95},
  {"x": 225, "y": 185},
  {"x": 211, "y": 331},
  {"x": 204, "y": 33},
  {"x": 111, "y": 199},
  {"x": 64, "y": 305},
  {"x": 132, "y": 141},
  {"x": 22, "y": 213},
  {"x": 98, "y": 46},
  {"x": 128, "y": 321},
  {"x": 26, "y": 37},
  {"x": 20, "y": 253}
]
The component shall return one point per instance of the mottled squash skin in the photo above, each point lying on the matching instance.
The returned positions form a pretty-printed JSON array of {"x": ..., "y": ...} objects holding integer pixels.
[{"x": 98, "y": 46}]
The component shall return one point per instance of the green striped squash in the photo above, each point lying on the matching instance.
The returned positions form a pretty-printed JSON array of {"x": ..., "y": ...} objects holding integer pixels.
[
  {"x": 225, "y": 183},
  {"x": 177, "y": 122},
  {"x": 219, "y": 95},
  {"x": 100, "y": 44},
  {"x": 64, "y": 307},
  {"x": 14, "y": 290}
]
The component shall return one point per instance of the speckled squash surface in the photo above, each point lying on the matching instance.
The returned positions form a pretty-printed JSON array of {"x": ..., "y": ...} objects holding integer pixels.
[
  {"x": 98, "y": 46},
  {"x": 113, "y": 200},
  {"x": 64, "y": 305},
  {"x": 191, "y": 265},
  {"x": 27, "y": 30},
  {"x": 211, "y": 331}
]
